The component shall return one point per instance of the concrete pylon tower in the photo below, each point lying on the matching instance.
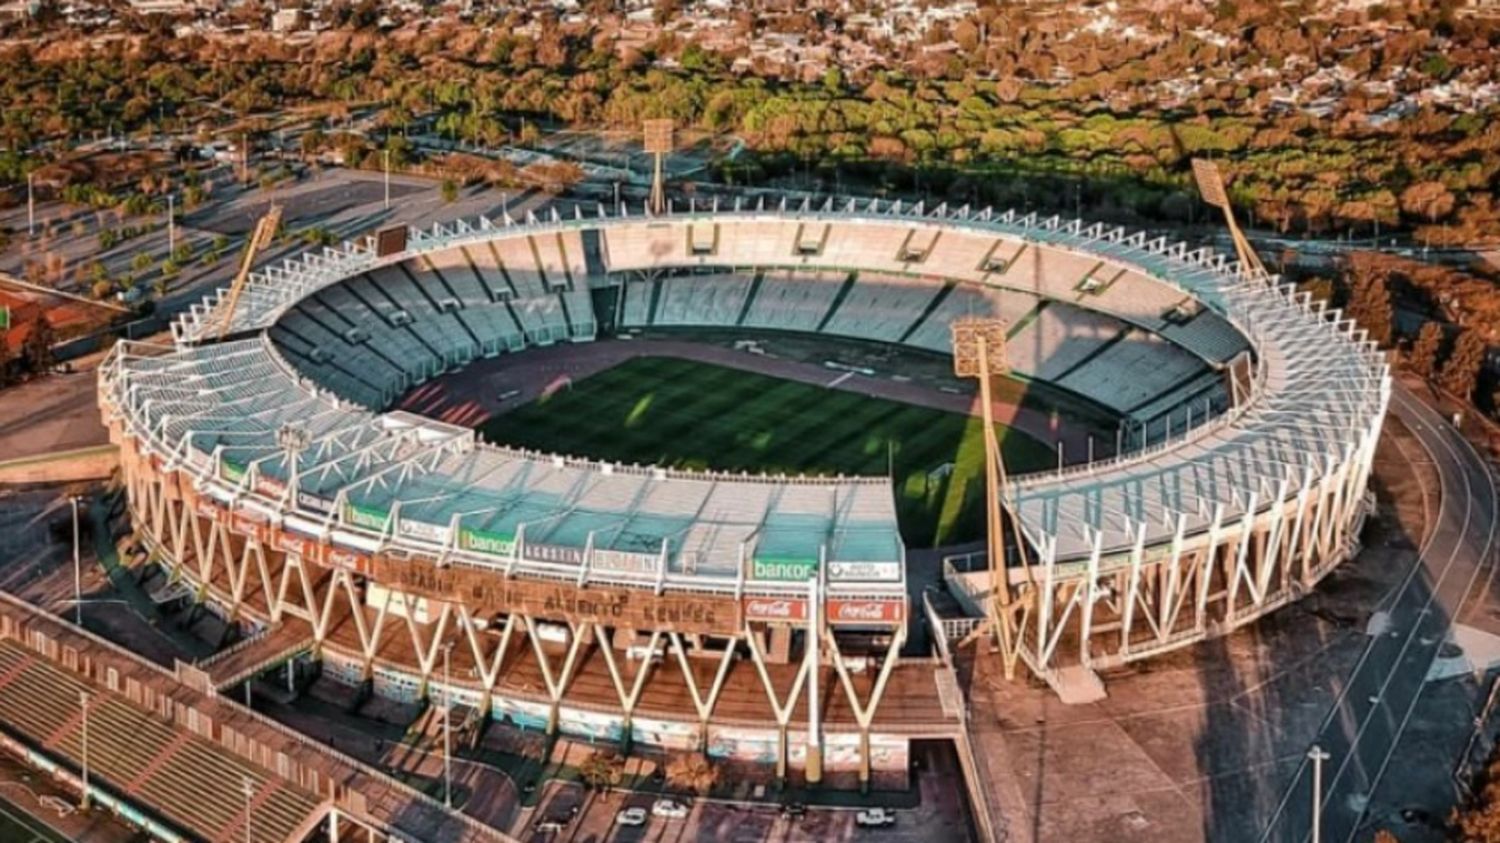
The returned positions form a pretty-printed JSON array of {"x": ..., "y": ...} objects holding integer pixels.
[
  {"x": 658, "y": 142},
  {"x": 979, "y": 352},
  {"x": 1211, "y": 186}
]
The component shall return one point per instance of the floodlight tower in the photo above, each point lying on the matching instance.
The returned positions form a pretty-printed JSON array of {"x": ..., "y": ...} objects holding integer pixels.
[
  {"x": 658, "y": 142},
  {"x": 1211, "y": 186},
  {"x": 979, "y": 352},
  {"x": 259, "y": 239}
]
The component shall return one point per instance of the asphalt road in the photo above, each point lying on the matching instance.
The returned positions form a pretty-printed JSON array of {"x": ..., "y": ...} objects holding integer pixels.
[{"x": 1363, "y": 728}]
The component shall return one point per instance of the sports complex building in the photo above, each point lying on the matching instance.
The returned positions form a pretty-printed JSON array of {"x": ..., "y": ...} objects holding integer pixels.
[{"x": 757, "y": 616}]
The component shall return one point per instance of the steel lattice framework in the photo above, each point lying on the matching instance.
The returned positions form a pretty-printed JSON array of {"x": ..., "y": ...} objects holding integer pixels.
[{"x": 1146, "y": 552}]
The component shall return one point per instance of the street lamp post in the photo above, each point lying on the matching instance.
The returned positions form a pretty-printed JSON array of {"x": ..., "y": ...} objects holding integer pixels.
[
  {"x": 171, "y": 226},
  {"x": 385, "y": 157},
  {"x": 77, "y": 568},
  {"x": 447, "y": 727},
  {"x": 83, "y": 704},
  {"x": 1318, "y": 755},
  {"x": 30, "y": 205}
]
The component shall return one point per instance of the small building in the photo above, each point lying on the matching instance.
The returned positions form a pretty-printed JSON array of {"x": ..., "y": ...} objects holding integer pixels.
[
  {"x": 286, "y": 20},
  {"x": 19, "y": 9}
]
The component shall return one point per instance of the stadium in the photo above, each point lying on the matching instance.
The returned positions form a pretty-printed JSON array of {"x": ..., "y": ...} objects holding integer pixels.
[{"x": 274, "y": 478}]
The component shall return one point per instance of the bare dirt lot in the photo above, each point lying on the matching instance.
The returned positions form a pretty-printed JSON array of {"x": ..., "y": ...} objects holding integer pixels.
[{"x": 54, "y": 413}]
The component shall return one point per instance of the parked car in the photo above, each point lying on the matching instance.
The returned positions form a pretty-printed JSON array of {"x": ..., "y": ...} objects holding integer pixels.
[
  {"x": 874, "y": 818},
  {"x": 549, "y": 825},
  {"x": 631, "y": 817},
  {"x": 669, "y": 809}
]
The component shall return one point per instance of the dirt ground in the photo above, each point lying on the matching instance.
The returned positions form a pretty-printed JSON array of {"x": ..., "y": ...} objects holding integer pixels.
[{"x": 55, "y": 413}]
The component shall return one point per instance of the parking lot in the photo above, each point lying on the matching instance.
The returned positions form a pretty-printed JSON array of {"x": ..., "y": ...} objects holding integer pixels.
[{"x": 940, "y": 814}]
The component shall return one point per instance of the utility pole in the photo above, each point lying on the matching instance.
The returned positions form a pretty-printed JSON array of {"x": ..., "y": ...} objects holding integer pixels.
[
  {"x": 385, "y": 155},
  {"x": 1318, "y": 755},
  {"x": 447, "y": 727},
  {"x": 30, "y": 205},
  {"x": 171, "y": 226},
  {"x": 83, "y": 703},
  {"x": 77, "y": 569}
]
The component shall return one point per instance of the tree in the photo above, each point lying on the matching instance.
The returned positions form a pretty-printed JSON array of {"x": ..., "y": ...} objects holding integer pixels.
[
  {"x": 602, "y": 770},
  {"x": 5, "y": 361},
  {"x": 1461, "y": 373},
  {"x": 1370, "y": 304},
  {"x": 1424, "y": 352},
  {"x": 36, "y": 349},
  {"x": 449, "y": 189},
  {"x": 1428, "y": 200},
  {"x": 691, "y": 771},
  {"x": 313, "y": 141}
]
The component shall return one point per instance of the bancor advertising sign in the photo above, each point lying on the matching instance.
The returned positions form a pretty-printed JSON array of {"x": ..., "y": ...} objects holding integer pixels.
[
  {"x": 369, "y": 517},
  {"x": 482, "y": 541},
  {"x": 783, "y": 568}
]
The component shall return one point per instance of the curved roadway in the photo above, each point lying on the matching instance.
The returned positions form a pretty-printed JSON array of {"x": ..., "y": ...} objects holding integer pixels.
[{"x": 1364, "y": 727}]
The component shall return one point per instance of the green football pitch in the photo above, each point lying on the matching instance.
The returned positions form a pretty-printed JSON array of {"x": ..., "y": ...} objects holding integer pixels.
[{"x": 686, "y": 414}]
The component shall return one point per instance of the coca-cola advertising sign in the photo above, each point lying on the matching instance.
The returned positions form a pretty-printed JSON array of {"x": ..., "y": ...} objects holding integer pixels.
[
  {"x": 775, "y": 609},
  {"x": 208, "y": 509},
  {"x": 248, "y": 524},
  {"x": 270, "y": 486},
  {"x": 293, "y": 543},
  {"x": 351, "y": 560},
  {"x": 865, "y": 611}
]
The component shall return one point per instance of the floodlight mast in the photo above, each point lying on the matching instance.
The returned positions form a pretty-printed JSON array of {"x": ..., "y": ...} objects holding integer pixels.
[
  {"x": 1211, "y": 186},
  {"x": 260, "y": 238},
  {"x": 657, "y": 136},
  {"x": 979, "y": 352}
]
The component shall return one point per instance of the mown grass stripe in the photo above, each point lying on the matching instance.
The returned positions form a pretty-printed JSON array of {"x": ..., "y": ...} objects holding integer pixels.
[{"x": 683, "y": 413}]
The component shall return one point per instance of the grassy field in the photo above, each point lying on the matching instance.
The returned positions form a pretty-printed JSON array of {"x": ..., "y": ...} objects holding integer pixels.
[{"x": 686, "y": 414}]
